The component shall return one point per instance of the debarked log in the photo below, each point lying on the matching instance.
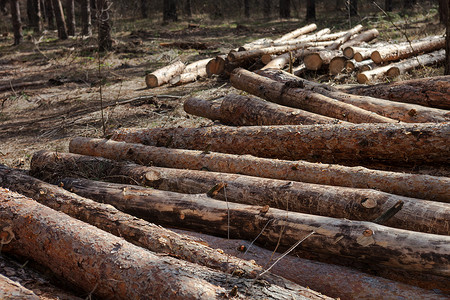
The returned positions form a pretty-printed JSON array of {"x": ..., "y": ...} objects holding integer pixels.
[
  {"x": 406, "y": 65},
  {"x": 297, "y": 32},
  {"x": 294, "y": 95},
  {"x": 409, "y": 185},
  {"x": 163, "y": 75},
  {"x": 365, "y": 241},
  {"x": 332, "y": 201},
  {"x": 365, "y": 36},
  {"x": 12, "y": 290},
  {"x": 110, "y": 267}
]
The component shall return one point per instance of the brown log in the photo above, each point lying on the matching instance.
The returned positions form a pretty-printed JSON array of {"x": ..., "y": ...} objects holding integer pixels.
[
  {"x": 321, "y": 59},
  {"x": 431, "y": 91},
  {"x": 216, "y": 65},
  {"x": 395, "y": 110},
  {"x": 337, "y": 65},
  {"x": 397, "y": 52},
  {"x": 296, "y": 33},
  {"x": 244, "y": 111},
  {"x": 366, "y": 205},
  {"x": 409, "y": 185},
  {"x": 12, "y": 290},
  {"x": 112, "y": 268},
  {"x": 290, "y": 94},
  {"x": 366, "y": 241},
  {"x": 134, "y": 230},
  {"x": 355, "y": 143},
  {"x": 338, "y": 42},
  {"x": 406, "y": 65},
  {"x": 365, "y": 36},
  {"x": 280, "y": 61},
  {"x": 163, "y": 75}
]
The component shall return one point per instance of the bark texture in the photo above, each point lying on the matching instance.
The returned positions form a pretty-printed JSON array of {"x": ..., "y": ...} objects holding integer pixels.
[{"x": 12, "y": 290}]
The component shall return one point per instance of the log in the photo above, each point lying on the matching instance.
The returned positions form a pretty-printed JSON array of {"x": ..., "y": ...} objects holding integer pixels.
[
  {"x": 296, "y": 33},
  {"x": 260, "y": 43},
  {"x": 397, "y": 52},
  {"x": 363, "y": 54},
  {"x": 323, "y": 200},
  {"x": 431, "y": 91},
  {"x": 365, "y": 36},
  {"x": 112, "y": 268},
  {"x": 248, "y": 111},
  {"x": 132, "y": 229},
  {"x": 293, "y": 95},
  {"x": 337, "y": 65},
  {"x": 365, "y": 65},
  {"x": 198, "y": 67},
  {"x": 216, "y": 65},
  {"x": 163, "y": 75},
  {"x": 406, "y": 65},
  {"x": 12, "y": 290},
  {"x": 409, "y": 185},
  {"x": 321, "y": 59},
  {"x": 372, "y": 75},
  {"x": 183, "y": 78},
  {"x": 363, "y": 241},
  {"x": 338, "y": 42},
  {"x": 350, "y": 51},
  {"x": 347, "y": 144},
  {"x": 321, "y": 35},
  {"x": 395, "y": 110},
  {"x": 280, "y": 61}
]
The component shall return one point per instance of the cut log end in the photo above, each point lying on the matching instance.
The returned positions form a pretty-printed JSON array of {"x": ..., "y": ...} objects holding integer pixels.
[
  {"x": 393, "y": 72},
  {"x": 337, "y": 64},
  {"x": 151, "y": 81},
  {"x": 348, "y": 52},
  {"x": 358, "y": 57},
  {"x": 376, "y": 57},
  {"x": 362, "y": 78},
  {"x": 313, "y": 62}
]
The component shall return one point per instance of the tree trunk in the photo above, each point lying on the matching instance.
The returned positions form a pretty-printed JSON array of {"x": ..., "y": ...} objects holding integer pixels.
[
  {"x": 351, "y": 51},
  {"x": 12, "y": 290},
  {"x": 163, "y": 75},
  {"x": 15, "y": 20},
  {"x": 3, "y": 8},
  {"x": 372, "y": 75},
  {"x": 388, "y": 5},
  {"x": 358, "y": 143},
  {"x": 353, "y": 8},
  {"x": 292, "y": 94},
  {"x": 366, "y": 241},
  {"x": 246, "y": 111},
  {"x": 320, "y": 59},
  {"x": 365, "y": 36},
  {"x": 144, "y": 9},
  {"x": 406, "y": 65},
  {"x": 266, "y": 9},
  {"x": 50, "y": 237},
  {"x": 188, "y": 8},
  {"x": 247, "y": 8},
  {"x": 60, "y": 21},
  {"x": 50, "y": 13},
  {"x": 70, "y": 13},
  {"x": 86, "y": 22},
  {"x": 136, "y": 231},
  {"x": 311, "y": 10},
  {"x": 285, "y": 9},
  {"x": 34, "y": 15},
  {"x": 296, "y": 33},
  {"x": 104, "y": 25},
  {"x": 170, "y": 11},
  {"x": 399, "y": 111},
  {"x": 338, "y": 42},
  {"x": 367, "y": 205}
]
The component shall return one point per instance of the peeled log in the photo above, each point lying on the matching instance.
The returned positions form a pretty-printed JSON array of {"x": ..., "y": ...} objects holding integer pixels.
[
  {"x": 112, "y": 268},
  {"x": 321, "y": 35},
  {"x": 350, "y": 51},
  {"x": 365, "y": 36},
  {"x": 337, "y": 65},
  {"x": 365, "y": 241},
  {"x": 163, "y": 75},
  {"x": 293, "y": 95},
  {"x": 365, "y": 65},
  {"x": 296, "y": 33},
  {"x": 12, "y": 290},
  {"x": 244, "y": 111},
  {"x": 410, "y": 185},
  {"x": 355, "y": 143},
  {"x": 372, "y": 75},
  {"x": 215, "y": 66},
  {"x": 338, "y": 42},
  {"x": 431, "y": 91},
  {"x": 395, "y": 110},
  {"x": 406, "y": 65},
  {"x": 316, "y": 61},
  {"x": 365, "y": 204}
]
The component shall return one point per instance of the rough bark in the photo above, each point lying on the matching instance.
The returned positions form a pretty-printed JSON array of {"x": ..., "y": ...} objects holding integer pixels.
[
  {"x": 16, "y": 22},
  {"x": 365, "y": 204},
  {"x": 338, "y": 42},
  {"x": 163, "y": 75},
  {"x": 293, "y": 95},
  {"x": 431, "y": 91},
  {"x": 443, "y": 11},
  {"x": 395, "y": 110},
  {"x": 60, "y": 20},
  {"x": 248, "y": 111},
  {"x": 297, "y": 33},
  {"x": 377, "y": 244},
  {"x": 365, "y": 36},
  {"x": 12, "y": 290},
  {"x": 104, "y": 25},
  {"x": 397, "y": 52},
  {"x": 114, "y": 268},
  {"x": 86, "y": 22},
  {"x": 406, "y": 65},
  {"x": 409, "y": 185},
  {"x": 70, "y": 13},
  {"x": 321, "y": 59}
]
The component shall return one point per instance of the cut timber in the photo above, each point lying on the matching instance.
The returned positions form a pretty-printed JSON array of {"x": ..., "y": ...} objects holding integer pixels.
[
  {"x": 365, "y": 241},
  {"x": 244, "y": 111},
  {"x": 366, "y": 205},
  {"x": 365, "y": 36},
  {"x": 163, "y": 75},
  {"x": 394, "y": 52},
  {"x": 355, "y": 143},
  {"x": 112, "y": 268},
  {"x": 277, "y": 62},
  {"x": 134, "y": 230},
  {"x": 350, "y": 51},
  {"x": 260, "y": 43},
  {"x": 365, "y": 65},
  {"x": 198, "y": 67},
  {"x": 215, "y": 66},
  {"x": 406, "y": 65},
  {"x": 338, "y": 42},
  {"x": 183, "y": 79},
  {"x": 12, "y": 290},
  {"x": 395, "y": 110},
  {"x": 318, "y": 60},
  {"x": 362, "y": 54},
  {"x": 337, "y": 65},
  {"x": 321, "y": 35},
  {"x": 374, "y": 74},
  {"x": 296, "y": 33},
  {"x": 410, "y": 185},
  {"x": 431, "y": 91},
  {"x": 292, "y": 94}
]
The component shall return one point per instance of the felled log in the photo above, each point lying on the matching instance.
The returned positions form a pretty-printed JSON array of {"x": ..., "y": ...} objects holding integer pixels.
[
  {"x": 347, "y": 144},
  {"x": 134, "y": 230},
  {"x": 183, "y": 79},
  {"x": 409, "y": 185},
  {"x": 372, "y": 75},
  {"x": 350, "y": 51},
  {"x": 397, "y": 52},
  {"x": 365, "y": 36},
  {"x": 431, "y": 91},
  {"x": 422, "y": 60},
  {"x": 294, "y": 95},
  {"x": 114, "y": 268},
  {"x": 198, "y": 67},
  {"x": 278, "y": 62},
  {"x": 367, "y": 205},
  {"x": 361, "y": 66},
  {"x": 163, "y": 75},
  {"x": 395, "y": 110},
  {"x": 338, "y": 42},
  {"x": 12, "y": 290},
  {"x": 320, "y": 59},
  {"x": 321, "y": 35},
  {"x": 215, "y": 66},
  {"x": 337, "y": 65},
  {"x": 296, "y": 33},
  {"x": 244, "y": 111},
  {"x": 366, "y": 241},
  {"x": 260, "y": 43}
]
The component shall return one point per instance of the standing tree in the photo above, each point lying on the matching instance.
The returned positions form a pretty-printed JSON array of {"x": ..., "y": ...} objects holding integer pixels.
[
  {"x": 266, "y": 9},
  {"x": 409, "y": 3},
  {"x": 70, "y": 12},
  {"x": 188, "y": 8},
  {"x": 104, "y": 25},
  {"x": 353, "y": 7},
  {"x": 86, "y": 23},
  {"x": 247, "y": 8},
  {"x": 285, "y": 8},
  {"x": 310, "y": 10},
  {"x": 17, "y": 24},
  {"x": 60, "y": 21},
  {"x": 50, "y": 14},
  {"x": 170, "y": 11},
  {"x": 34, "y": 15},
  {"x": 339, "y": 5}
]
